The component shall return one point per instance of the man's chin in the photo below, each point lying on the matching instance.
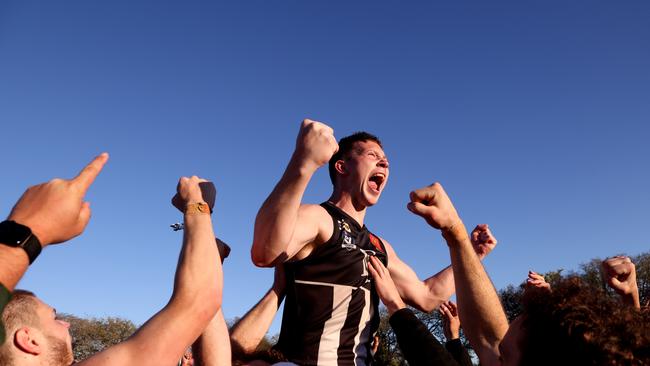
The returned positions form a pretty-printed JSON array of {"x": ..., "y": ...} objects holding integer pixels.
[{"x": 372, "y": 198}]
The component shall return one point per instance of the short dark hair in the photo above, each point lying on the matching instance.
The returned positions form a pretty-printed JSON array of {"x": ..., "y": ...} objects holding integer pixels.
[
  {"x": 345, "y": 146},
  {"x": 581, "y": 325}
]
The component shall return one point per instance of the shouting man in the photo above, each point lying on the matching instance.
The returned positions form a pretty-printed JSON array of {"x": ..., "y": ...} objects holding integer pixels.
[{"x": 331, "y": 309}]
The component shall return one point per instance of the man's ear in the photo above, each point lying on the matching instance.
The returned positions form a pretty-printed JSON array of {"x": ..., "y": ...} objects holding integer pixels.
[
  {"x": 340, "y": 167},
  {"x": 27, "y": 340}
]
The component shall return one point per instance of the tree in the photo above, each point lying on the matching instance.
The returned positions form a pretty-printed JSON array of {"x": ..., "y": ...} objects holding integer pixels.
[{"x": 93, "y": 335}]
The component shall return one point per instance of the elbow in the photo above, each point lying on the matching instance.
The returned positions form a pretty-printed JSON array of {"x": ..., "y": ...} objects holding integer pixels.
[
  {"x": 426, "y": 304},
  {"x": 261, "y": 259}
]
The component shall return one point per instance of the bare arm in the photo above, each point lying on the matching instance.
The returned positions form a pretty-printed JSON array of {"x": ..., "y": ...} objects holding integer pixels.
[
  {"x": 483, "y": 318},
  {"x": 429, "y": 294},
  {"x": 213, "y": 346},
  {"x": 55, "y": 212},
  {"x": 196, "y": 298},
  {"x": 248, "y": 332},
  {"x": 424, "y": 295},
  {"x": 281, "y": 226}
]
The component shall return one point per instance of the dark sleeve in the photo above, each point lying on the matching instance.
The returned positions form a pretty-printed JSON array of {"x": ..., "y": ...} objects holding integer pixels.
[
  {"x": 459, "y": 352},
  {"x": 5, "y": 296},
  {"x": 418, "y": 345}
]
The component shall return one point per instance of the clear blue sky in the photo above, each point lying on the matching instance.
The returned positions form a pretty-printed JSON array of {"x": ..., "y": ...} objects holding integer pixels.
[{"x": 533, "y": 115}]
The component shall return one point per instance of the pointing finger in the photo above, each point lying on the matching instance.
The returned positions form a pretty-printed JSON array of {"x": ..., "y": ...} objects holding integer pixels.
[{"x": 87, "y": 176}]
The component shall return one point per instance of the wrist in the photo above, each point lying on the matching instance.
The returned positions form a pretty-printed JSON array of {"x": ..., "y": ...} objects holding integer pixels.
[
  {"x": 394, "y": 306},
  {"x": 455, "y": 232},
  {"x": 21, "y": 237},
  {"x": 302, "y": 165},
  {"x": 197, "y": 207}
]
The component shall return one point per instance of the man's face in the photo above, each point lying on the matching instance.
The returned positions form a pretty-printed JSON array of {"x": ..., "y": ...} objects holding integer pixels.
[
  {"x": 366, "y": 172},
  {"x": 58, "y": 339}
]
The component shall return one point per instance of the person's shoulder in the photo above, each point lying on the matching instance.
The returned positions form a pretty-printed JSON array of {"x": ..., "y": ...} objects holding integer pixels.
[{"x": 313, "y": 210}]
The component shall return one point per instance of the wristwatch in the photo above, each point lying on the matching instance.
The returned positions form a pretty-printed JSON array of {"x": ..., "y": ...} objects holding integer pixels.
[{"x": 14, "y": 234}]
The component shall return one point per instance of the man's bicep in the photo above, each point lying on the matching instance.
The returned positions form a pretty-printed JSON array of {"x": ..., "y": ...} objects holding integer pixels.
[
  {"x": 404, "y": 277},
  {"x": 310, "y": 229}
]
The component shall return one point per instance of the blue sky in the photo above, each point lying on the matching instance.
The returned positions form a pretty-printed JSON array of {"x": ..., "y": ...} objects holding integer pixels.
[{"x": 533, "y": 115}]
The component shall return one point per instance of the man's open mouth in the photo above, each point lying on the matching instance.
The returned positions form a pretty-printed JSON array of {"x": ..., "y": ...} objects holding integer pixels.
[{"x": 376, "y": 180}]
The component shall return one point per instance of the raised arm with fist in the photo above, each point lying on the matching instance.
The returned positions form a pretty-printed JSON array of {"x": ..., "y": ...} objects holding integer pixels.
[
  {"x": 315, "y": 144},
  {"x": 620, "y": 274}
]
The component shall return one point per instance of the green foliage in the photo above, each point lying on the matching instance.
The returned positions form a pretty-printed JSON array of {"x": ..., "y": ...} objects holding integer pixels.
[{"x": 90, "y": 336}]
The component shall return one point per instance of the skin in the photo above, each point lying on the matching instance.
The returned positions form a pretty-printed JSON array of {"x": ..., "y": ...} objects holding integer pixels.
[
  {"x": 620, "y": 274},
  {"x": 480, "y": 310},
  {"x": 213, "y": 348},
  {"x": 196, "y": 298},
  {"x": 287, "y": 229},
  {"x": 36, "y": 343},
  {"x": 536, "y": 280},
  {"x": 451, "y": 322},
  {"x": 55, "y": 212}
]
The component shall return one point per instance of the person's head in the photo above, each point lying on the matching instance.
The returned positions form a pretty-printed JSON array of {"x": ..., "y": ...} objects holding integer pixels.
[
  {"x": 575, "y": 324},
  {"x": 34, "y": 333},
  {"x": 360, "y": 168}
]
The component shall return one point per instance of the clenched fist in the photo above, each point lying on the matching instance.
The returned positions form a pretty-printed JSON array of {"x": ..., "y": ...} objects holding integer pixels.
[
  {"x": 55, "y": 211},
  {"x": 620, "y": 274},
  {"x": 433, "y": 204},
  {"x": 483, "y": 240},
  {"x": 315, "y": 144},
  {"x": 188, "y": 191}
]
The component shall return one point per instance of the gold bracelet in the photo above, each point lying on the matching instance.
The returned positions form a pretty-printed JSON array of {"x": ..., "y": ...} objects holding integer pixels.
[{"x": 197, "y": 208}]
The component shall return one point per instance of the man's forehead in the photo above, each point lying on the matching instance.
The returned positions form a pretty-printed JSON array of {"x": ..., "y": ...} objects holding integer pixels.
[
  {"x": 368, "y": 145},
  {"x": 43, "y": 307}
]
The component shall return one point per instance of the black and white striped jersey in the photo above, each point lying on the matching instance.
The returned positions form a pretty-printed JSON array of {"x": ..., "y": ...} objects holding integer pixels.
[{"x": 331, "y": 308}]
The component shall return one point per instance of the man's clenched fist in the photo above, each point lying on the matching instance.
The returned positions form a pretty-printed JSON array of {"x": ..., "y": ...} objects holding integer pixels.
[
  {"x": 620, "y": 274},
  {"x": 483, "y": 240},
  {"x": 315, "y": 144},
  {"x": 188, "y": 191},
  {"x": 433, "y": 204}
]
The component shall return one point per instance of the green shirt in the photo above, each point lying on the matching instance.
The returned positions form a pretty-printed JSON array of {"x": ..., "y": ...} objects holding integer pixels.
[{"x": 5, "y": 296}]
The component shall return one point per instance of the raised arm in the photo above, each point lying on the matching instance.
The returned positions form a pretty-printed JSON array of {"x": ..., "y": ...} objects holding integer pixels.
[
  {"x": 620, "y": 274},
  {"x": 249, "y": 331},
  {"x": 55, "y": 212},
  {"x": 429, "y": 294},
  {"x": 483, "y": 318},
  {"x": 195, "y": 300},
  {"x": 283, "y": 226},
  {"x": 212, "y": 348}
]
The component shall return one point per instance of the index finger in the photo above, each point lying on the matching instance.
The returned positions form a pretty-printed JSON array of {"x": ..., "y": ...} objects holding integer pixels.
[{"x": 88, "y": 174}]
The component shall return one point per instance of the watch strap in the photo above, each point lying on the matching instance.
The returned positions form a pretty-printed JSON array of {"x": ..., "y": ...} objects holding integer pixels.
[
  {"x": 14, "y": 235},
  {"x": 32, "y": 246}
]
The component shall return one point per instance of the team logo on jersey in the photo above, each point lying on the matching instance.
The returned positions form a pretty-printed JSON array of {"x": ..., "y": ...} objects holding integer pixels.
[
  {"x": 347, "y": 242},
  {"x": 346, "y": 227},
  {"x": 375, "y": 242}
]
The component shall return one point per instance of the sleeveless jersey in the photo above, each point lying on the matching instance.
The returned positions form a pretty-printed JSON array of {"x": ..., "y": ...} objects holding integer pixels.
[{"x": 331, "y": 308}]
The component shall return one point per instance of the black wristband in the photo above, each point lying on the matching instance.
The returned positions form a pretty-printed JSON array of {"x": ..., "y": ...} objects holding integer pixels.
[{"x": 14, "y": 234}]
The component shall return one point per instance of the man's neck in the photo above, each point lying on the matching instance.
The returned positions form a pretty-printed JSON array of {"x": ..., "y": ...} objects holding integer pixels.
[{"x": 345, "y": 202}]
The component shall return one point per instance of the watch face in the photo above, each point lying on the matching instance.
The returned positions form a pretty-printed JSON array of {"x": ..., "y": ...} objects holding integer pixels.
[{"x": 13, "y": 234}]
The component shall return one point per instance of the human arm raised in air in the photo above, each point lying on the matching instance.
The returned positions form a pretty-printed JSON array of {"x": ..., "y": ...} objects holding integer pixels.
[
  {"x": 195, "y": 300},
  {"x": 429, "y": 294},
  {"x": 283, "y": 225}
]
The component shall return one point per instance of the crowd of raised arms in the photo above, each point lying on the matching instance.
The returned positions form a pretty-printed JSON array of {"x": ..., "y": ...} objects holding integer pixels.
[{"x": 332, "y": 272}]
